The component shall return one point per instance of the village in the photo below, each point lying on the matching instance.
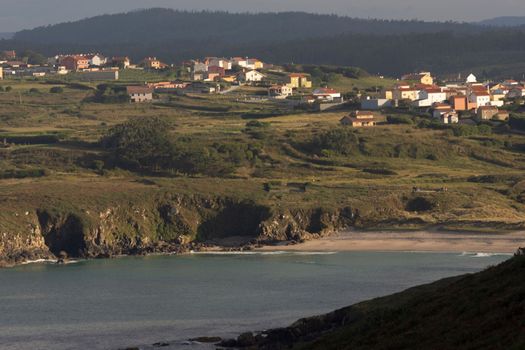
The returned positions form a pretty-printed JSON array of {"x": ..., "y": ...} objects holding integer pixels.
[{"x": 463, "y": 101}]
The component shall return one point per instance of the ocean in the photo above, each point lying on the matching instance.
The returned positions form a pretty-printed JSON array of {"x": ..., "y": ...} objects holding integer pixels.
[{"x": 134, "y": 301}]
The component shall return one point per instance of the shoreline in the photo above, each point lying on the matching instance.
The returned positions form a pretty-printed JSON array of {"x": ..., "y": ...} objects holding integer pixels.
[{"x": 408, "y": 241}]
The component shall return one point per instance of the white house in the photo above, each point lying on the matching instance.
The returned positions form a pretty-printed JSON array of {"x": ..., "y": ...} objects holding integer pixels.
[
  {"x": 239, "y": 61},
  {"x": 450, "y": 117},
  {"x": 280, "y": 91},
  {"x": 471, "y": 79},
  {"x": 439, "y": 109},
  {"x": 199, "y": 67},
  {"x": 97, "y": 60},
  {"x": 140, "y": 93},
  {"x": 220, "y": 62},
  {"x": 326, "y": 94},
  {"x": 251, "y": 76},
  {"x": 405, "y": 92},
  {"x": 429, "y": 96},
  {"x": 480, "y": 98},
  {"x": 375, "y": 103}
]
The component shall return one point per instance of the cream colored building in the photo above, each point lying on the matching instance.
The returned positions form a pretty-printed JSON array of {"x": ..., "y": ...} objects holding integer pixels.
[{"x": 298, "y": 80}]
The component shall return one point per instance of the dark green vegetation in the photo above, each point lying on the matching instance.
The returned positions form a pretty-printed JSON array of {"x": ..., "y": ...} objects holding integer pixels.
[
  {"x": 485, "y": 310},
  {"x": 169, "y": 175},
  {"x": 290, "y": 37}
]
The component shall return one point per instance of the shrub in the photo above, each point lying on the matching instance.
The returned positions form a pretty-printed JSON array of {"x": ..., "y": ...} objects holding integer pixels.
[
  {"x": 140, "y": 143},
  {"x": 420, "y": 204},
  {"x": 34, "y": 91},
  {"x": 257, "y": 124},
  {"x": 56, "y": 90},
  {"x": 517, "y": 122},
  {"x": 8, "y": 88},
  {"x": 340, "y": 140},
  {"x": 21, "y": 174},
  {"x": 471, "y": 130},
  {"x": 400, "y": 119}
]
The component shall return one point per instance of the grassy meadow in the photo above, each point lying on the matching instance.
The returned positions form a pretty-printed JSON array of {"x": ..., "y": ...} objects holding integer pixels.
[{"x": 51, "y": 153}]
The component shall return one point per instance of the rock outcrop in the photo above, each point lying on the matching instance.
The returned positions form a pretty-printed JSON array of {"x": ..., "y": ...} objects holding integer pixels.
[{"x": 167, "y": 223}]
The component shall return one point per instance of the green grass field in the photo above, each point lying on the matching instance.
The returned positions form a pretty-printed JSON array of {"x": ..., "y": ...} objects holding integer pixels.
[{"x": 413, "y": 157}]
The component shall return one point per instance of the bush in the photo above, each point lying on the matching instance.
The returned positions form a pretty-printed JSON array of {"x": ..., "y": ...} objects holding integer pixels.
[
  {"x": 419, "y": 204},
  {"x": 341, "y": 140},
  {"x": 145, "y": 144},
  {"x": 141, "y": 144},
  {"x": 517, "y": 122},
  {"x": 8, "y": 88},
  {"x": 56, "y": 90},
  {"x": 257, "y": 124},
  {"x": 21, "y": 174},
  {"x": 400, "y": 119},
  {"x": 34, "y": 91},
  {"x": 471, "y": 130},
  {"x": 32, "y": 139}
]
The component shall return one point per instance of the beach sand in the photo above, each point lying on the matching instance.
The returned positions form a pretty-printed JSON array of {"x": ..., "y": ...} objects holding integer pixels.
[{"x": 411, "y": 241}]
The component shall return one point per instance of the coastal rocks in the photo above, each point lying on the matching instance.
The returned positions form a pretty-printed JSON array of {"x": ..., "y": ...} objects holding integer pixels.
[
  {"x": 169, "y": 223},
  {"x": 305, "y": 224}
]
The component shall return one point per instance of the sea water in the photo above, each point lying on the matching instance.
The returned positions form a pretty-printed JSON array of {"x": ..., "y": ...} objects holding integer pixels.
[{"x": 112, "y": 304}]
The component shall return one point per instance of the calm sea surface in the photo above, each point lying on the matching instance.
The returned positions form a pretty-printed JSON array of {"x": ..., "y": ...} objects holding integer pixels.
[{"x": 111, "y": 304}]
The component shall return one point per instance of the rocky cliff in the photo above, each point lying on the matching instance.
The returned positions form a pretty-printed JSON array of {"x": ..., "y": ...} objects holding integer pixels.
[{"x": 166, "y": 223}]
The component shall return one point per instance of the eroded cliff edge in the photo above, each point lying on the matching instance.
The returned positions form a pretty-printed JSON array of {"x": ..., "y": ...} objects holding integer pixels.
[
  {"x": 93, "y": 219},
  {"x": 171, "y": 223}
]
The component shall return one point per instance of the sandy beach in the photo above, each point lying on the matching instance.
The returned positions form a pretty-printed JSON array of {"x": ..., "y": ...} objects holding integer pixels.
[{"x": 411, "y": 241}]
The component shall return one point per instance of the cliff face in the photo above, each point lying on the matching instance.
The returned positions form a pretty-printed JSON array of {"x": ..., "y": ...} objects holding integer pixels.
[{"x": 167, "y": 223}]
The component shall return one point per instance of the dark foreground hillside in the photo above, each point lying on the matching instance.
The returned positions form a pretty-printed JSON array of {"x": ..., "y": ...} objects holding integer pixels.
[{"x": 485, "y": 310}]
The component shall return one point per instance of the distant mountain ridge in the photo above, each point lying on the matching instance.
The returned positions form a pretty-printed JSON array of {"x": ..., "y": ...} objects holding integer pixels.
[
  {"x": 6, "y": 35},
  {"x": 504, "y": 21},
  {"x": 162, "y": 25},
  {"x": 388, "y": 47}
]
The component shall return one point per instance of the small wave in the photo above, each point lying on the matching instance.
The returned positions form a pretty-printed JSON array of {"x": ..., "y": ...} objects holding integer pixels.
[
  {"x": 49, "y": 261},
  {"x": 38, "y": 261},
  {"x": 277, "y": 252},
  {"x": 484, "y": 255},
  {"x": 314, "y": 253}
]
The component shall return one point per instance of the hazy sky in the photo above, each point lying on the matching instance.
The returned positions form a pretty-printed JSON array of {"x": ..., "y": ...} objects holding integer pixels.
[{"x": 22, "y": 14}]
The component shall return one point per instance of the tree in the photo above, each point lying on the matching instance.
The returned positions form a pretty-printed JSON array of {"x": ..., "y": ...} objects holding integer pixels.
[
  {"x": 341, "y": 140},
  {"x": 32, "y": 57},
  {"x": 141, "y": 144}
]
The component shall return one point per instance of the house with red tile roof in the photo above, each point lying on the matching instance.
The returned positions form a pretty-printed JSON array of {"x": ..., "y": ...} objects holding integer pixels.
[{"x": 140, "y": 93}]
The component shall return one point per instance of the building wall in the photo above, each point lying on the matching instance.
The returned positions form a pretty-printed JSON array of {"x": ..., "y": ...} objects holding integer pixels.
[
  {"x": 459, "y": 103},
  {"x": 141, "y": 97},
  {"x": 427, "y": 80}
]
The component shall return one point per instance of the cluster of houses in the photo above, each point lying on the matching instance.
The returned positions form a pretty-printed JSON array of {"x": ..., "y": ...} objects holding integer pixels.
[
  {"x": 418, "y": 91},
  {"x": 445, "y": 102},
  {"x": 88, "y": 66}
]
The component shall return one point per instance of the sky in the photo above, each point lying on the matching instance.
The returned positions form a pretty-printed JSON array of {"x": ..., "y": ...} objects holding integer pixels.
[{"x": 25, "y": 14}]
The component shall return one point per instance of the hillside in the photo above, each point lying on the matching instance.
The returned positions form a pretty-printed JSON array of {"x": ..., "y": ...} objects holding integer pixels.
[
  {"x": 6, "y": 35},
  {"x": 210, "y": 159},
  {"x": 505, "y": 21},
  {"x": 165, "y": 25},
  {"x": 485, "y": 310},
  {"x": 288, "y": 37}
]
